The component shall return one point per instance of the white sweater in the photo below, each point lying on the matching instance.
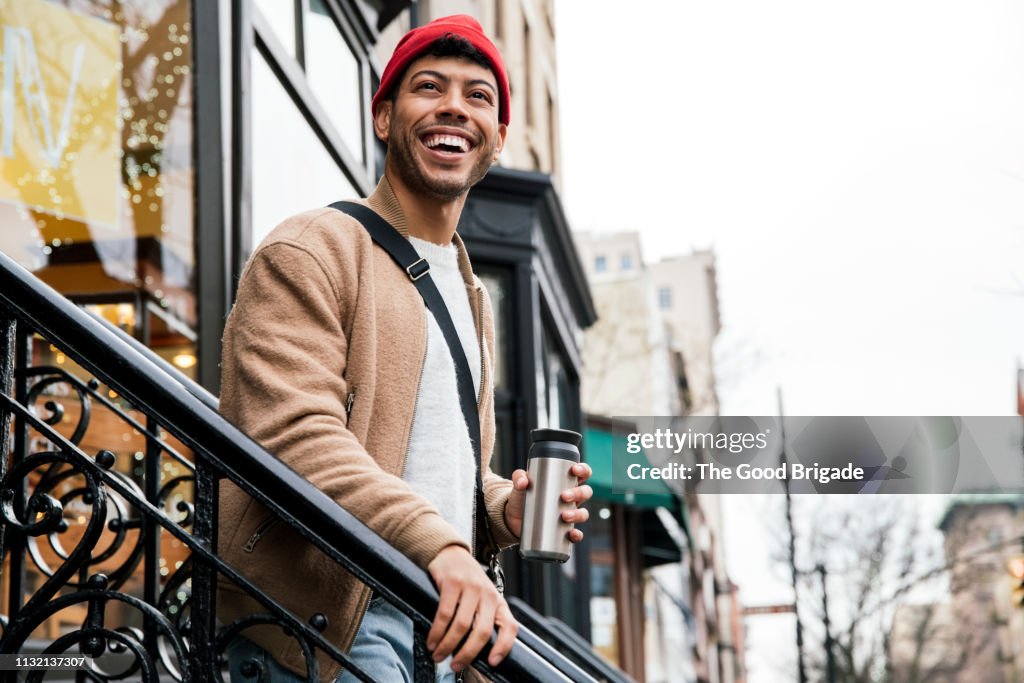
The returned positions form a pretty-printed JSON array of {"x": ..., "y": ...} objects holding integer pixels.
[{"x": 440, "y": 464}]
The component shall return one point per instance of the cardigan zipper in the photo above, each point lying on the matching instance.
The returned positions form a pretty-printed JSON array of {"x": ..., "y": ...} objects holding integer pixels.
[
  {"x": 259, "y": 533},
  {"x": 268, "y": 524},
  {"x": 350, "y": 401},
  {"x": 408, "y": 446}
]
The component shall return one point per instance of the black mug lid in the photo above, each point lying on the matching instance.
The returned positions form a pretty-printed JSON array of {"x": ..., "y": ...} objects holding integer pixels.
[{"x": 562, "y": 435}]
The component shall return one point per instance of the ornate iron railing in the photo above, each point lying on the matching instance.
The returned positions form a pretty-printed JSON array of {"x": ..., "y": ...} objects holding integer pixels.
[{"x": 110, "y": 550}]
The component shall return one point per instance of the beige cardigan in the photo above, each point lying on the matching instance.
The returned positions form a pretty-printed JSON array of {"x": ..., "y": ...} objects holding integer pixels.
[{"x": 322, "y": 357}]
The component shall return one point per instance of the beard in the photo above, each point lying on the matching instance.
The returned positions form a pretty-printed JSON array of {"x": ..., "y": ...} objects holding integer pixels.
[{"x": 419, "y": 180}]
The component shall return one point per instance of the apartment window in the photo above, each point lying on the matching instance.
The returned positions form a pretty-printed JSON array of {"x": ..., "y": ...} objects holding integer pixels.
[
  {"x": 552, "y": 134},
  {"x": 626, "y": 262},
  {"x": 600, "y": 264},
  {"x": 528, "y": 74},
  {"x": 664, "y": 297},
  {"x": 499, "y": 19},
  {"x": 535, "y": 159}
]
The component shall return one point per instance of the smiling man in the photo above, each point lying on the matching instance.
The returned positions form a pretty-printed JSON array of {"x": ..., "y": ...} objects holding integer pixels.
[{"x": 334, "y": 364}]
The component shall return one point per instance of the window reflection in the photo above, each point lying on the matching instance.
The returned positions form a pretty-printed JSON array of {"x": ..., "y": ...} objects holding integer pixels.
[
  {"x": 96, "y": 198},
  {"x": 554, "y": 386},
  {"x": 604, "y": 634},
  {"x": 497, "y": 283},
  {"x": 292, "y": 171},
  {"x": 280, "y": 15},
  {"x": 333, "y": 73},
  {"x": 96, "y": 175}
]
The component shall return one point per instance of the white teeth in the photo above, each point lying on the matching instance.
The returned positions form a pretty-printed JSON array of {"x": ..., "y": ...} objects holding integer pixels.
[{"x": 450, "y": 140}]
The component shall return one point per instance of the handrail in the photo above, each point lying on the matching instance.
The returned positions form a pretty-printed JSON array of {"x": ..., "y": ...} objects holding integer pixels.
[
  {"x": 574, "y": 647},
  {"x": 200, "y": 392},
  {"x": 144, "y": 381}
]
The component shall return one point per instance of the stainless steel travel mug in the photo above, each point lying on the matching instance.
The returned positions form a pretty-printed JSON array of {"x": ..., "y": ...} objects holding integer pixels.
[{"x": 545, "y": 536}]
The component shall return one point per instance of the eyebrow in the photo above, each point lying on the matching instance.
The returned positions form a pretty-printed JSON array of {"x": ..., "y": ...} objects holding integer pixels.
[{"x": 445, "y": 79}]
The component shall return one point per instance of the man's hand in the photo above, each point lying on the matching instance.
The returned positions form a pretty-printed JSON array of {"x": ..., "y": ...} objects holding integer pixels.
[
  {"x": 579, "y": 494},
  {"x": 471, "y": 604}
]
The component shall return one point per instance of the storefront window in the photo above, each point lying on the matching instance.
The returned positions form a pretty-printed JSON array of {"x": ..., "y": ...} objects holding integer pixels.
[
  {"x": 554, "y": 387},
  {"x": 333, "y": 72},
  {"x": 280, "y": 15},
  {"x": 292, "y": 171},
  {"x": 498, "y": 282},
  {"x": 96, "y": 179},
  {"x": 96, "y": 199},
  {"x": 603, "y": 634}
]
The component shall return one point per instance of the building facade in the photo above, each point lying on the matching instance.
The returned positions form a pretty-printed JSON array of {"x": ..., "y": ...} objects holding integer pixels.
[
  {"x": 687, "y": 294},
  {"x": 977, "y": 633},
  {"x": 628, "y": 359},
  {"x": 650, "y": 353},
  {"x": 982, "y": 534},
  {"x": 148, "y": 146}
]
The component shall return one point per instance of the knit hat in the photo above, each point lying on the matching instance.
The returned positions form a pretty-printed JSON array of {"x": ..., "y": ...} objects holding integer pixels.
[{"x": 414, "y": 43}]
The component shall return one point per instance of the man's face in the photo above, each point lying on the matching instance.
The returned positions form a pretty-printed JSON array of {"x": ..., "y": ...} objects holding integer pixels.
[{"x": 442, "y": 126}]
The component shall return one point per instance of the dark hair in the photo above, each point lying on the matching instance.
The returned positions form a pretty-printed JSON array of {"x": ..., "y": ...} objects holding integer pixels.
[
  {"x": 452, "y": 45},
  {"x": 448, "y": 45}
]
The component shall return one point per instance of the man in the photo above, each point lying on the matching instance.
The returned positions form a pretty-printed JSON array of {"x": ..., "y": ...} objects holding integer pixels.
[{"x": 332, "y": 362}]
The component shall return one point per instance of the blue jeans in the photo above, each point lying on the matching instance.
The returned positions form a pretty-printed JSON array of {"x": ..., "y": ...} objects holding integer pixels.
[{"x": 382, "y": 649}]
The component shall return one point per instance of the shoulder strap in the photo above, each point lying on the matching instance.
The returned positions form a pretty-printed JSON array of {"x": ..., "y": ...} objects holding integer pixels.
[{"x": 405, "y": 255}]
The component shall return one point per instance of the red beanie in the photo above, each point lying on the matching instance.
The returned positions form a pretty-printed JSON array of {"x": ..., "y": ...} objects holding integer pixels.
[{"x": 417, "y": 41}]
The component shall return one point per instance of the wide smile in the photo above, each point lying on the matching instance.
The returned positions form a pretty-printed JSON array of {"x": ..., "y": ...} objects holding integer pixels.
[{"x": 448, "y": 145}]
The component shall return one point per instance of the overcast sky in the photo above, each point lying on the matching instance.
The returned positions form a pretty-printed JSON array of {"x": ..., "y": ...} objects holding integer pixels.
[{"x": 858, "y": 169}]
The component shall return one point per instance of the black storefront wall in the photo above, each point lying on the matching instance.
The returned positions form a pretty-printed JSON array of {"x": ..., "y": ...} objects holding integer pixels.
[
  {"x": 513, "y": 224},
  {"x": 516, "y": 232}
]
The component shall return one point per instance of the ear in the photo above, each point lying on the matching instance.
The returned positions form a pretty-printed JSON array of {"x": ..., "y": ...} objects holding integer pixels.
[
  {"x": 502, "y": 133},
  {"x": 382, "y": 121}
]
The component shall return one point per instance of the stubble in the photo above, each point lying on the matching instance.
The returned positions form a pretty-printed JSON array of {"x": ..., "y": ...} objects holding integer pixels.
[{"x": 420, "y": 181}]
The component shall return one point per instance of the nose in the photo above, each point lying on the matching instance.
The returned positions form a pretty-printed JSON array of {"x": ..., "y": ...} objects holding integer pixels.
[{"x": 453, "y": 106}]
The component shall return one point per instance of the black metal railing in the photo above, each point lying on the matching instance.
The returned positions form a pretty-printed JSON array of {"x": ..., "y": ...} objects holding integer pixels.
[
  {"x": 570, "y": 643},
  {"x": 109, "y": 550}
]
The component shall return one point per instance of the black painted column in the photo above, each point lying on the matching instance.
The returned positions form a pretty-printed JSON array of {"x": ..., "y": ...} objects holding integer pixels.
[{"x": 212, "y": 236}]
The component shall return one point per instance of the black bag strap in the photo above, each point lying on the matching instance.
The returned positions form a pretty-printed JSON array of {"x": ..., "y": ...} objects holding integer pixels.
[{"x": 405, "y": 255}]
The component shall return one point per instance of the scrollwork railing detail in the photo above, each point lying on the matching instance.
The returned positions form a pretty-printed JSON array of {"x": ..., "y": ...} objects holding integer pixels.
[
  {"x": 109, "y": 505},
  {"x": 108, "y": 497}
]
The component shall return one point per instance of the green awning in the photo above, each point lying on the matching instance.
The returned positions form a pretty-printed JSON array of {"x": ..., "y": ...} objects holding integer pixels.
[
  {"x": 641, "y": 493},
  {"x": 656, "y": 543}
]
